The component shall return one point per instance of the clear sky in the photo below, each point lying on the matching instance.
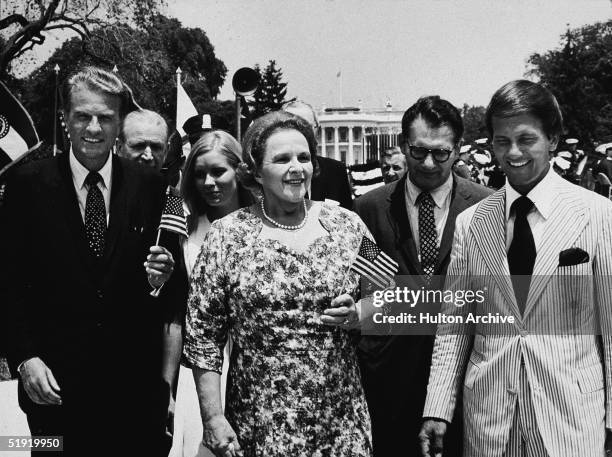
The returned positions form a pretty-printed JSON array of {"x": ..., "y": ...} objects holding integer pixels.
[{"x": 462, "y": 50}]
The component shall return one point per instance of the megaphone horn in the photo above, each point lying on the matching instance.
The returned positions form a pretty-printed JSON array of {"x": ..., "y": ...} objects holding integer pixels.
[{"x": 245, "y": 81}]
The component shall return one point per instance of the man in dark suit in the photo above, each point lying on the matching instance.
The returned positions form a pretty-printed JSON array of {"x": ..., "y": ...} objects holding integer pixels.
[
  {"x": 85, "y": 331},
  {"x": 413, "y": 220},
  {"x": 331, "y": 182}
]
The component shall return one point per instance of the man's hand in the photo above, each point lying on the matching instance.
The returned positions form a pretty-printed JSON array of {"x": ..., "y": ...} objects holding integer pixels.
[
  {"x": 432, "y": 437},
  {"x": 170, "y": 417},
  {"x": 220, "y": 438},
  {"x": 343, "y": 312},
  {"x": 159, "y": 265},
  {"x": 39, "y": 382}
]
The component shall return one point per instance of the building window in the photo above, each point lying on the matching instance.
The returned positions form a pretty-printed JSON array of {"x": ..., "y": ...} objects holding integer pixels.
[
  {"x": 357, "y": 135},
  {"x": 343, "y": 156},
  {"x": 329, "y": 135},
  {"x": 343, "y": 132}
]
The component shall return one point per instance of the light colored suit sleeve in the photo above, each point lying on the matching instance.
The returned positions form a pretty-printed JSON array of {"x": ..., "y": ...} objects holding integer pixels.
[
  {"x": 453, "y": 341},
  {"x": 602, "y": 265}
]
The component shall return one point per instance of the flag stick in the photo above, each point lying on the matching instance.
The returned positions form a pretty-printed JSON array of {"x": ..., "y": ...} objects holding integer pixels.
[{"x": 54, "y": 117}]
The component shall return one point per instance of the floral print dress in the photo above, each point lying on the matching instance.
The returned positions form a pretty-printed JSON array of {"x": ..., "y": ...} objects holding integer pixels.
[{"x": 294, "y": 386}]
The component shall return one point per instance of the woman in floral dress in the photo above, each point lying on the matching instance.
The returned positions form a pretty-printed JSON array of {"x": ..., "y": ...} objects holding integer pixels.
[{"x": 272, "y": 276}]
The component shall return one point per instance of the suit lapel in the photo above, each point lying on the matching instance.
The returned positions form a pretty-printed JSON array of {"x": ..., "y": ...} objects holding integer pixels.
[
  {"x": 460, "y": 200},
  {"x": 566, "y": 221},
  {"x": 316, "y": 185},
  {"x": 398, "y": 220},
  {"x": 488, "y": 228},
  {"x": 118, "y": 208},
  {"x": 69, "y": 204}
]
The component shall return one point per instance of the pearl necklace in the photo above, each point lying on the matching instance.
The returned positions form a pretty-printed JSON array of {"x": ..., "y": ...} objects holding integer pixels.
[{"x": 282, "y": 226}]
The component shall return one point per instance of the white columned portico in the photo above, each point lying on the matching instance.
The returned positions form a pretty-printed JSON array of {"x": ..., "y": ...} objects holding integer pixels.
[
  {"x": 351, "y": 157},
  {"x": 323, "y": 146},
  {"x": 336, "y": 144}
]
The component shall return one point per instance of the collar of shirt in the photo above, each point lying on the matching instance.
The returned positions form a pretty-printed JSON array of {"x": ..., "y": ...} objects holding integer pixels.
[
  {"x": 79, "y": 172},
  {"x": 540, "y": 195},
  {"x": 439, "y": 194}
]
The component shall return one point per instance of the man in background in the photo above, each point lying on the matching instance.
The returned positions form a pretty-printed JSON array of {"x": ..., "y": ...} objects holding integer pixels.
[
  {"x": 144, "y": 138},
  {"x": 332, "y": 181},
  {"x": 392, "y": 164}
]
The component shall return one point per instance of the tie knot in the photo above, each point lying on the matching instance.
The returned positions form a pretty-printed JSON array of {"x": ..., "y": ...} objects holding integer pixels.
[
  {"x": 93, "y": 178},
  {"x": 425, "y": 198},
  {"x": 522, "y": 206}
]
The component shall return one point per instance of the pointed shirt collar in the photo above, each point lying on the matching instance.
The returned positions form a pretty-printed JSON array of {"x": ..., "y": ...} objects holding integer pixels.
[
  {"x": 439, "y": 194},
  {"x": 79, "y": 172},
  {"x": 541, "y": 195}
]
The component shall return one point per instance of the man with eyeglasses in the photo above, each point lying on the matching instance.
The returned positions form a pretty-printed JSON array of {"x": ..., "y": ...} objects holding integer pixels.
[{"x": 413, "y": 221}]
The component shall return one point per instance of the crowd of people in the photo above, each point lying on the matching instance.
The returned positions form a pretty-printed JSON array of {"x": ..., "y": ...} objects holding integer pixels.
[{"x": 242, "y": 335}]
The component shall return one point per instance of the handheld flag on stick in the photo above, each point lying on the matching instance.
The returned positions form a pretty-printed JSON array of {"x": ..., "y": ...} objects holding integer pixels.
[
  {"x": 372, "y": 263},
  {"x": 18, "y": 135},
  {"x": 173, "y": 216}
]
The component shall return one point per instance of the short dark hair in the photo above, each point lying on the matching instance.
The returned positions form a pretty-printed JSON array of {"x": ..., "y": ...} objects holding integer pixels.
[
  {"x": 526, "y": 97},
  {"x": 437, "y": 112},
  {"x": 390, "y": 152},
  {"x": 102, "y": 81},
  {"x": 256, "y": 136}
]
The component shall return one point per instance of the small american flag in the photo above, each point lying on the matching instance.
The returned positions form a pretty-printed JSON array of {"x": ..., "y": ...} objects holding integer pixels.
[
  {"x": 173, "y": 217},
  {"x": 374, "y": 264}
]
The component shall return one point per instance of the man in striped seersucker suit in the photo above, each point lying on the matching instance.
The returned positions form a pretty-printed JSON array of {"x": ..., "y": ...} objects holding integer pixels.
[{"x": 541, "y": 386}]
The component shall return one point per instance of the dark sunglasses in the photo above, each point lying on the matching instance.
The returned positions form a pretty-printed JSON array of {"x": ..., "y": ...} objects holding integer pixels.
[{"x": 419, "y": 153}]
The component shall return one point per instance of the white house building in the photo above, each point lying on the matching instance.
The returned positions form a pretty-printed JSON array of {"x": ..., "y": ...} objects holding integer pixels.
[{"x": 354, "y": 135}]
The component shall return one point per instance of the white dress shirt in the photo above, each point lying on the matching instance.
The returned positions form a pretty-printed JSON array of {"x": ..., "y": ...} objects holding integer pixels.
[
  {"x": 541, "y": 197},
  {"x": 442, "y": 199},
  {"x": 79, "y": 173}
]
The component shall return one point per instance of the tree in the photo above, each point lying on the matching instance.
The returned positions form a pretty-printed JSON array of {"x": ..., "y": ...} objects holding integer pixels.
[
  {"x": 146, "y": 59},
  {"x": 24, "y": 22},
  {"x": 473, "y": 123},
  {"x": 579, "y": 73},
  {"x": 271, "y": 91}
]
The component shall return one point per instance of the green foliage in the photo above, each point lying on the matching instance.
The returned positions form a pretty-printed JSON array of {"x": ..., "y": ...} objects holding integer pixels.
[
  {"x": 473, "y": 123},
  {"x": 271, "y": 91},
  {"x": 146, "y": 59},
  {"x": 579, "y": 73}
]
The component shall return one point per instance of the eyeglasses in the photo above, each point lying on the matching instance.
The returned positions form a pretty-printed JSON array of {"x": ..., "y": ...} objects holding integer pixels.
[{"x": 419, "y": 153}]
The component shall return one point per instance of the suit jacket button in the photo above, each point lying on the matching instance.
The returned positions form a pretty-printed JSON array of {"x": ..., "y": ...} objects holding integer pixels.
[
  {"x": 511, "y": 391},
  {"x": 100, "y": 294},
  {"x": 524, "y": 333}
]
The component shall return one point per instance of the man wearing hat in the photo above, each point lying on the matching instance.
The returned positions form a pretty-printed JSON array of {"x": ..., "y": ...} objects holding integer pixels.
[
  {"x": 604, "y": 166},
  {"x": 196, "y": 126}
]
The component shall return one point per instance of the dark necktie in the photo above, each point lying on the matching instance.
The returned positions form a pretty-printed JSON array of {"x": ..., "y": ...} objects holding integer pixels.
[
  {"x": 428, "y": 238},
  {"x": 95, "y": 215},
  {"x": 522, "y": 252}
]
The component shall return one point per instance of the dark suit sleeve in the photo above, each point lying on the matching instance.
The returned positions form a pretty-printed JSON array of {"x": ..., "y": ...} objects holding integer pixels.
[
  {"x": 17, "y": 242},
  {"x": 343, "y": 188},
  {"x": 174, "y": 292}
]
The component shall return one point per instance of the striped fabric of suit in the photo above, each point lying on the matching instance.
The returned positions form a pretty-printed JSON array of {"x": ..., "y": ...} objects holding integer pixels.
[{"x": 569, "y": 374}]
